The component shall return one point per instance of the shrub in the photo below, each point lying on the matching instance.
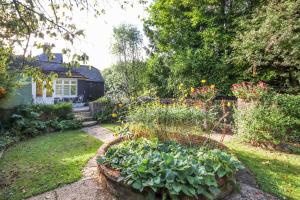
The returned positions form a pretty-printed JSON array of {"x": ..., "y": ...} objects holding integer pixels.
[
  {"x": 30, "y": 121},
  {"x": 104, "y": 100},
  {"x": 171, "y": 169},
  {"x": 275, "y": 119},
  {"x": 112, "y": 113},
  {"x": 249, "y": 90},
  {"x": 61, "y": 111}
]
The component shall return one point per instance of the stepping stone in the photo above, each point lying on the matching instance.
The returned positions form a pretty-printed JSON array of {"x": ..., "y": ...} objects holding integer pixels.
[{"x": 89, "y": 123}]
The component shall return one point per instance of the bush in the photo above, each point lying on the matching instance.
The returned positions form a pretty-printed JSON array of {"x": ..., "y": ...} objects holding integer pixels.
[
  {"x": 104, "y": 100},
  {"x": 275, "y": 119},
  {"x": 171, "y": 169},
  {"x": 30, "y": 121},
  {"x": 61, "y": 111},
  {"x": 112, "y": 113}
]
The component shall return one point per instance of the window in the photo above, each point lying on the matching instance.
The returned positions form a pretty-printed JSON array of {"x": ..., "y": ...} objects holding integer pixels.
[
  {"x": 49, "y": 89},
  {"x": 66, "y": 87},
  {"x": 39, "y": 88}
]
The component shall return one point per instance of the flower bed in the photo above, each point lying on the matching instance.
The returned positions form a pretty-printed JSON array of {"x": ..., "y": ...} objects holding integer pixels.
[{"x": 141, "y": 168}]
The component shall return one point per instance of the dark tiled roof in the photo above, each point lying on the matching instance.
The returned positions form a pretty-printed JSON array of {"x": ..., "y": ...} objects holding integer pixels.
[{"x": 84, "y": 71}]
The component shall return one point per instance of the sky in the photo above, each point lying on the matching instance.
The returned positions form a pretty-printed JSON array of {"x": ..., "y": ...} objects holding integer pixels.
[{"x": 99, "y": 32}]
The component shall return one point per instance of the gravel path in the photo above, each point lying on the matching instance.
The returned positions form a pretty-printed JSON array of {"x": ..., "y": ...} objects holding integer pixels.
[{"x": 87, "y": 188}]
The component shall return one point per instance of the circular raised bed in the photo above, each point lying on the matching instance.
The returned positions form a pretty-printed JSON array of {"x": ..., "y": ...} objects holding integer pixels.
[{"x": 109, "y": 177}]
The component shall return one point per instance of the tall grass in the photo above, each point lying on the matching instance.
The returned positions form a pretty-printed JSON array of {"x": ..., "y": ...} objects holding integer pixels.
[{"x": 159, "y": 119}]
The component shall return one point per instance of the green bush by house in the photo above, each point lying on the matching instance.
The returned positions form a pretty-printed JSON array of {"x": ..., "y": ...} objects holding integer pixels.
[{"x": 33, "y": 120}]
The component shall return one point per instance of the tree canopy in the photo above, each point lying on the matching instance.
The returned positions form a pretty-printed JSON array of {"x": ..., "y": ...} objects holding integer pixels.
[{"x": 220, "y": 40}]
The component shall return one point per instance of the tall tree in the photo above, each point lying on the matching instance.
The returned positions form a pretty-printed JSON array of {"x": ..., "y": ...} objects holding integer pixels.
[
  {"x": 127, "y": 46},
  {"x": 193, "y": 39},
  {"x": 268, "y": 45}
]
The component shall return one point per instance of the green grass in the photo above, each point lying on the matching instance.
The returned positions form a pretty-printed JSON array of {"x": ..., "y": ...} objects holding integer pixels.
[
  {"x": 44, "y": 163},
  {"x": 111, "y": 127},
  {"x": 276, "y": 172}
]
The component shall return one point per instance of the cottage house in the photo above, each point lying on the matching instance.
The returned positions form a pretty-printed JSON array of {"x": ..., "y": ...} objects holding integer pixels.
[
  {"x": 82, "y": 84},
  {"x": 76, "y": 84}
]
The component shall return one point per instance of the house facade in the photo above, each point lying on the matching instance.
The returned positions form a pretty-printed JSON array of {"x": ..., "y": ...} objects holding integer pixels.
[{"x": 76, "y": 84}]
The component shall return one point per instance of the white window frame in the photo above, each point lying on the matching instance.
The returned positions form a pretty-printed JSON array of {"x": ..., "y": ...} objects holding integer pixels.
[{"x": 70, "y": 84}]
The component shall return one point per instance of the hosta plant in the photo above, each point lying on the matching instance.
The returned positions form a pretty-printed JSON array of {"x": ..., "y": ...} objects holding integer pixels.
[{"x": 170, "y": 169}]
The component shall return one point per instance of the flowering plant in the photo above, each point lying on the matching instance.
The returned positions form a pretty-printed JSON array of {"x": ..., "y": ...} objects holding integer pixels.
[
  {"x": 204, "y": 93},
  {"x": 249, "y": 90}
]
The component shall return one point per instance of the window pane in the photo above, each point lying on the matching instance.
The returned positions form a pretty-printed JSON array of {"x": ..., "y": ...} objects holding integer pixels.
[
  {"x": 58, "y": 90},
  {"x": 39, "y": 88},
  {"x": 73, "y": 89},
  {"x": 49, "y": 89},
  {"x": 66, "y": 82},
  {"x": 73, "y": 82},
  {"x": 58, "y": 81},
  {"x": 67, "y": 90}
]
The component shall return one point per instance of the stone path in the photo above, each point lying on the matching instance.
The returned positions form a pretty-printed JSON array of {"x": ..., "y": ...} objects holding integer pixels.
[{"x": 87, "y": 188}]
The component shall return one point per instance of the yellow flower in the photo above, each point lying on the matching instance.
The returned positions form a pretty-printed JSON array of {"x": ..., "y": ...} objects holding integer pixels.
[
  {"x": 120, "y": 105},
  {"x": 212, "y": 86},
  {"x": 192, "y": 89},
  {"x": 114, "y": 115},
  {"x": 203, "y": 81},
  {"x": 228, "y": 104}
]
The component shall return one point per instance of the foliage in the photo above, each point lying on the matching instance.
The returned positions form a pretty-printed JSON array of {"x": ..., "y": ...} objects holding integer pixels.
[
  {"x": 204, "y": 93},
  {"x": 104, "y": 100},
  {"x": 268, "y": 45},
  {"x": 6, "y": 79},
  {"x": 127, "y": 46},
  {"x": 191, "y": 40},
  {"x": 113, "y": 112},
  {"x": 275, "y": 119},
  {"x": 44, "y": 163},
  {"x": 30, "y": 121},
  {"x": 249, "y": 90},
  {"x": 177, "y": 119},
  {"x": 171, "y": 168},
  {"x": 275, "y": 172}
]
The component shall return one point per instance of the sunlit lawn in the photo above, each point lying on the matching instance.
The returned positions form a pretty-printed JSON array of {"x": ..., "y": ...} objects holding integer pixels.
[
  {"x": 276, "y": 172},
  {"x": 44, "y": 163}
]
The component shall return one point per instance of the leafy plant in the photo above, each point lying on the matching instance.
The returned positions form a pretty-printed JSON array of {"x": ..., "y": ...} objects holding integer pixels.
[
  {"x": 104, "y": 100},
  {"x": 249, "y": 90},
  {"x": 172, "y": 169},
  {"x": 275, "y": 119}
]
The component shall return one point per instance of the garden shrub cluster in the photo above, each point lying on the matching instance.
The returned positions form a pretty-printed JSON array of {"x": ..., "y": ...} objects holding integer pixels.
[
  {"x": 172, "y": 169},
  {"x": 111, "y": 111},
  {"x": 33, "y": 120},
  {"x": 274, "y": 119}
]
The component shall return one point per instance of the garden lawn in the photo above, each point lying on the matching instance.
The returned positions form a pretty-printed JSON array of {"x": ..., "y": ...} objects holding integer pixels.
[
  {"x": 44, "y": 163},
  {"x": 276, "y": 172}
]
